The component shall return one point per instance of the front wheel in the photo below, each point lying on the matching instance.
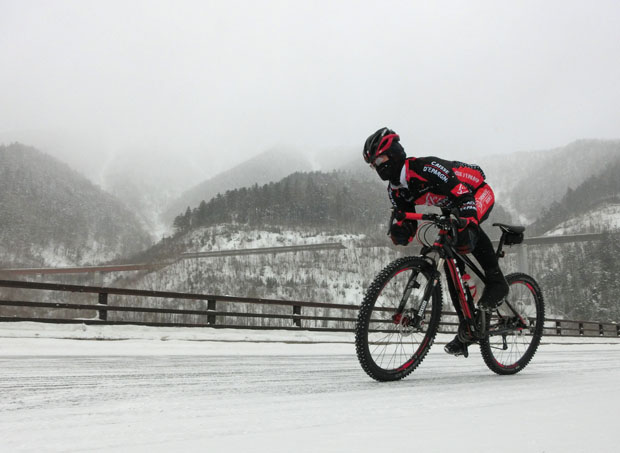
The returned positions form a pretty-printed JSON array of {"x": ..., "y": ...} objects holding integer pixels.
[
  {"x": 391, "y": 337},
  {"x": 515, "y": 327}
]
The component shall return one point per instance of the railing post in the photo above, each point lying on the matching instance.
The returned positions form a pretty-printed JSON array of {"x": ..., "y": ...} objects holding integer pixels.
[
  {"x": 103, "y": 300},
  {"x": 522, "y": 260},
  {"x": 297, "y": 311},
  {"x": 211, "y": 306},
  {"x": 581, "y": 329},
  {"x": 558, "y": 327}
]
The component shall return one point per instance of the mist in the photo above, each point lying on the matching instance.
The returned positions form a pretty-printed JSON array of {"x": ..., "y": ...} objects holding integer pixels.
[{"x": 217, "y": 82}]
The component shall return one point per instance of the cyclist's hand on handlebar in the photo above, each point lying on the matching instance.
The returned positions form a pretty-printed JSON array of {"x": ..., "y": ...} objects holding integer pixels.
[
  {"x": 404, "y": 233},
  {"x": 467, "y": 237},
  {"x": 399, "y": 215},
  {"x": 459, "y": 222},
  {"x": 464, "y": 222}
]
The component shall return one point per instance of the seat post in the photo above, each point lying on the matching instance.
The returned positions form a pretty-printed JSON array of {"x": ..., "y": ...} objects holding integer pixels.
[{"x": 500, "y": 253}]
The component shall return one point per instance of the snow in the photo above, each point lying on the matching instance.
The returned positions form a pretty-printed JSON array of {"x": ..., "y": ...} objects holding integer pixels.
[
  {"x": 232, "y": 237},
  {"x": 240, "y": 391}
]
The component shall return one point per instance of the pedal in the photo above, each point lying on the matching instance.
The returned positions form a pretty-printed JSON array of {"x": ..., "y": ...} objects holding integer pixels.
[{"x": 456, "y": 353}]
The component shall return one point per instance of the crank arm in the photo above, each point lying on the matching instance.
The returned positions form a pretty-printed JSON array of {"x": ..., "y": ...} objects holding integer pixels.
[{"x": 504, "y": 331}]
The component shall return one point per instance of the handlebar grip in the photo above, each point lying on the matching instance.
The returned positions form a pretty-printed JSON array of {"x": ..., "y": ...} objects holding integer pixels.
[{"x": 414, "y": 216}]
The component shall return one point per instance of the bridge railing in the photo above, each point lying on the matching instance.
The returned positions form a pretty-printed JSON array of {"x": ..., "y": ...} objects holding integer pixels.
[{"x": 137, "y": 307}]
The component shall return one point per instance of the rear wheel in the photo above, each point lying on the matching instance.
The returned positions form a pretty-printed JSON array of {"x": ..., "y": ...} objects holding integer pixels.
[
  {"x": 515, "y": 328},
  {"x": 391, "y": 343}
]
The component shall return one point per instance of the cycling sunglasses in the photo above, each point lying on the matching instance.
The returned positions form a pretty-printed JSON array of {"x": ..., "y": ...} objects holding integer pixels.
[{"x": 381, "y": 159}]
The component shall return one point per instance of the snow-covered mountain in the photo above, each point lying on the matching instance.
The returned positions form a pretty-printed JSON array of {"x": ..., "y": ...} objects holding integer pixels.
[
  {"x": 591, "y": 207},
  {"x": 528, "y": 182},
  {"x": 573, "y": 189},
  {"x": 573, "y": 275},
  {"x": 268, "y": 166},
  {"x": 51, "y": 215},
  {"x": 604, "y": 218}
]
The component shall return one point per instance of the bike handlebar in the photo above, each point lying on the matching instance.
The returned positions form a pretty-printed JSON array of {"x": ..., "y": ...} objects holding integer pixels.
[{"x": 441, "y": 220}]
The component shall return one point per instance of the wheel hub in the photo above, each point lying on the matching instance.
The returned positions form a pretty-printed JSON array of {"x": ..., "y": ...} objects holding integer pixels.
[{"x": 407, "y": 324}]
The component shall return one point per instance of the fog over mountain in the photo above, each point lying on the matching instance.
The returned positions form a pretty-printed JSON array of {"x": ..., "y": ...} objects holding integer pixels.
[{"x": 224, "y": 81}]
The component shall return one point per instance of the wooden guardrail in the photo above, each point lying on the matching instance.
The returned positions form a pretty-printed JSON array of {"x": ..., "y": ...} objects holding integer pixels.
[{"x": 225, "y": 312}]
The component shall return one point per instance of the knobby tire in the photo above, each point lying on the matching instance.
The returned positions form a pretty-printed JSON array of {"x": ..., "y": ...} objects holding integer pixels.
[
  {"x": 512, "y": 354},
  {"x": 386, "y": 350}
]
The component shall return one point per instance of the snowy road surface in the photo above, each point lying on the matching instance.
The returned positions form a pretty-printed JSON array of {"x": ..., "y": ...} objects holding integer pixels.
[{"x": 152, "y": 395}]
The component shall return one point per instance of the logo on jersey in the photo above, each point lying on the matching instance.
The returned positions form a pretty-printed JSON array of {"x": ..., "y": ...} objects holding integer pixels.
[
  {"x": 484, "y": 200},
  {"x": 431, "y": 199},
  {"x": 470, "y": 174},
  {"x": 436, "y": 171},
  {"x": 460, "y": 190}
]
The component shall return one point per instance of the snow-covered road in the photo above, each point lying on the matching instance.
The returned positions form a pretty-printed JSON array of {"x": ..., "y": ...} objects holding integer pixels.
[{"x": 153, "y": 395}]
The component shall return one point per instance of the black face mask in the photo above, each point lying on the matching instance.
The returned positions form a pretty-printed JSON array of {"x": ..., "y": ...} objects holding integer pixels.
[{"x": 390, "y": 171}]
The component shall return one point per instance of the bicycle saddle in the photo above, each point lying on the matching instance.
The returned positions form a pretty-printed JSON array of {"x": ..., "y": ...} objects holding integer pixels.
[{"x": 510, "y": 228}]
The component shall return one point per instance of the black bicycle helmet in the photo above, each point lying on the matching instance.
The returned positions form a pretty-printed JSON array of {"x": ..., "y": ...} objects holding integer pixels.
[{"x": 385, "y": 142}]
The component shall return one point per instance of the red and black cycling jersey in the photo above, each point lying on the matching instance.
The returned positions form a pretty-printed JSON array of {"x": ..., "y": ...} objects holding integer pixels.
[{"x": 446, "y": 184}]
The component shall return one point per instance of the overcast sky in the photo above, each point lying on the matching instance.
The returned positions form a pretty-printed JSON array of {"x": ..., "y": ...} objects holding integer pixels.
[{"x": 224, "y": 80}]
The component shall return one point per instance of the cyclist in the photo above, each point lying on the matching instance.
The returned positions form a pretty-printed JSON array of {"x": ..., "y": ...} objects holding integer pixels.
[{"x": 448, "y": 185}]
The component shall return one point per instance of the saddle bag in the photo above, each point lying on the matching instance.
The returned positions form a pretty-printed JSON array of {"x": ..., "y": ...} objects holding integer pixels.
[{"x": 512, "y": 238}]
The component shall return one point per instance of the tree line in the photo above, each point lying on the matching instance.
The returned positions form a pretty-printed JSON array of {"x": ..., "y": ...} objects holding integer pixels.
[{"x": 334, "y": 200}]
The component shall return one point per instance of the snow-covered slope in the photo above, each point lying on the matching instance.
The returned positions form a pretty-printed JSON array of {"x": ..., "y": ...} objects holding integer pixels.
[
  {"x": 603, "y": 219},
  {"x": 333, "y": 275}
]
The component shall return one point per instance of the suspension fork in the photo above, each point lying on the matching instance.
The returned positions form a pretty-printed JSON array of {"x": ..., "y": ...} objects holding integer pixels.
[
  {"x": 430, "y": 287},
  {"x": 408, "y": 288},
  {"x": 428, "y": 291}
]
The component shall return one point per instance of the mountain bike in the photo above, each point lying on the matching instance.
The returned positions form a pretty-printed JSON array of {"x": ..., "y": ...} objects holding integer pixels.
[{"x": 400, "y": 314}]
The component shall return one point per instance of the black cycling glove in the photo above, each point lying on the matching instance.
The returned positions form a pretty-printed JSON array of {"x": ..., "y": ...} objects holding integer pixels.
[{"x": 404, "y": 233}]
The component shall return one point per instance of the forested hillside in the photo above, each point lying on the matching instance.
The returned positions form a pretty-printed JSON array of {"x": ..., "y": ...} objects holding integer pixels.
[
  {"x": 528, "y": 182},
  {"x": 582, "y": 206},
  {"x": 580, "y": 279},
  {"x": 268, "y": 166},
  {"x": 577, "y": 279},
  {"x": 51, "y": 215},
  {"x": 334, "y": 201}
]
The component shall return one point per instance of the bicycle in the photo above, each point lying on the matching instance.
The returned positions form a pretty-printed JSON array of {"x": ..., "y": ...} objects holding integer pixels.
[{"x": 400, "y": 314}]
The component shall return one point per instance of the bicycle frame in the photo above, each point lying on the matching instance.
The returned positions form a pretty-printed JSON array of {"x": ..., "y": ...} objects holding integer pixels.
[
  {"x": 395, "y": 331},
  {"x": 453, "y": 262}
]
